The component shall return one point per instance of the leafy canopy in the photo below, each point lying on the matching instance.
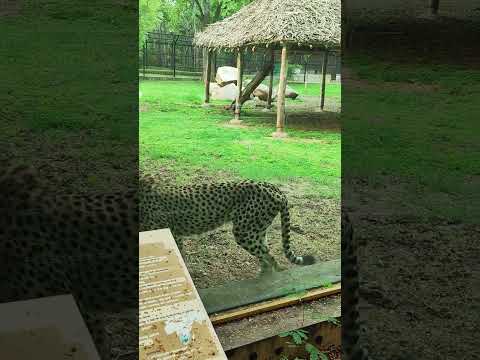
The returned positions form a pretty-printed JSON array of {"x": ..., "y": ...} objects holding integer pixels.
[{"x": 183, "y": 16}]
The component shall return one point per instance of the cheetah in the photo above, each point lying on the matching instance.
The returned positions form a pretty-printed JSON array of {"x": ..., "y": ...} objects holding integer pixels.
[
  {"x": 351, "y": 348},
  {"x": 52, "y": 244},
  {"x": 250, "y": 206}
]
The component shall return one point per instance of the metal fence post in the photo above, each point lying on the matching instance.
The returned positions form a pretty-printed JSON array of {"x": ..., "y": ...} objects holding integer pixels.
[
  {"x": 173, "y": 58},
  {"x": 145, "y": 62}
]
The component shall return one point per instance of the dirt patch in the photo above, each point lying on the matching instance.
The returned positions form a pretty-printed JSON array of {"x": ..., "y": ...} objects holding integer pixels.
[
  {"x": 298, "y": 119},
  {"x": 10, "y": 7},
  {"x": 240, "y": 126},
  {"x": 299, "y": 140},
  {"x": 324, "y": 121},
  {"x": 351, "y": 81},
  {"x": 78, "y": 162},
  {"x": 396, "y": 86},
  {"x": 417, "y": 276}
]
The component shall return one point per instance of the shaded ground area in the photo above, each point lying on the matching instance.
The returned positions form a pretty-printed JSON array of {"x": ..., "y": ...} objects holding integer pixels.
[
  {"x": 302, "y": 114},
  {"x": 415, "y": 275},
  {"x": 414, "y": 205}
]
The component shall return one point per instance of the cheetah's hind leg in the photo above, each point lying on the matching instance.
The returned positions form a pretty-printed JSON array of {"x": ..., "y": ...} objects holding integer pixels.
[{"x": 255, "y": 244}]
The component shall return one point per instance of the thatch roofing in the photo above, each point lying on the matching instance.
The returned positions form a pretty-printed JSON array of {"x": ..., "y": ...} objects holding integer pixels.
[{"x": 303, "y": 23}]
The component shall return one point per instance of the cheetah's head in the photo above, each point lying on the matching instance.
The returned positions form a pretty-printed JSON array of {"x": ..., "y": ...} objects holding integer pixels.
[{"x": 18, "y": 185}]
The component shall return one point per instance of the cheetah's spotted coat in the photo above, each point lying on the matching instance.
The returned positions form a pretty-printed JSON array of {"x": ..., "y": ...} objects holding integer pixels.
[
  {"x": 194, "y": 209},
  {"x": 51, "y": 244},
  {"x": 351, "y": 348}
]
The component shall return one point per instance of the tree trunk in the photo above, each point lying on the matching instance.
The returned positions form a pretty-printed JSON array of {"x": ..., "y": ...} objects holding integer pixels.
[{"x": 257, "y": 80}]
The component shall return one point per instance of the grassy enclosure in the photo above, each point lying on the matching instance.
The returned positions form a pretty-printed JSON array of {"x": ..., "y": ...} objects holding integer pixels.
[
  {"x": 58, "y": 115},
  {"x": 187, "y": 143},
  {"x": 419, "y": 125}
]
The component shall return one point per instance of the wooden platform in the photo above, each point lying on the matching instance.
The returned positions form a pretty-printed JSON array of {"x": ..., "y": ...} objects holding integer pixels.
[
  {"x": 249, "y": 331},
  {"x": 291, "y": 282}
]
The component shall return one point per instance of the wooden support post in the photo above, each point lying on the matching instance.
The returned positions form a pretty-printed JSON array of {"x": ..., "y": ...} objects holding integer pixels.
[
  {"x": 214, "y": 72},
  {"x": 281, "y": 96},
  {"x": 305, "y": 74},
  {"x": 324, "y": 74},
  {"x": 238, "y": 103},
  {"x": 207, "y": 79},
  {"x": 270, "y": 85}
]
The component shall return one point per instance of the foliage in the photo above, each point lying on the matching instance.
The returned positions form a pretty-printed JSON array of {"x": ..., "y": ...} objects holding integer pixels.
[
  {"x": 151, "y": 14},
  {"x": 299, "y": 337},
  {"x": 183, "y": 16},
  {"x": 314, "y": 353},
  {"x": 232, "y": 6},
  {"x": 293, "y": 69}
]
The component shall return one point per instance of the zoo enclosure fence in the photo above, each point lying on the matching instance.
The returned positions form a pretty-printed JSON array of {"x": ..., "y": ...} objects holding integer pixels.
[{"x": 166, "y": 55}]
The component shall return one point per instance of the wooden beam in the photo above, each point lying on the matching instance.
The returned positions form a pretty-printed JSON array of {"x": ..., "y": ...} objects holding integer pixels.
[
  {"x": 281, "y": 95},
  {"x": 324, "y": 75},
  {"x": 208, "y": 72},
  {"x": 238, "y": 103},
  {"x": 270, "y": 85},
  {"x": 275, "y": 304}
]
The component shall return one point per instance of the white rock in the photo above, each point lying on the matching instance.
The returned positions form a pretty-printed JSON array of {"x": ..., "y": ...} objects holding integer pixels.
[
  {"x": 289, "y": 93},
  {"x": 228, "y": 92},
  {"x": 261, "y": 92},
  {"x": 226, "y": 75}
]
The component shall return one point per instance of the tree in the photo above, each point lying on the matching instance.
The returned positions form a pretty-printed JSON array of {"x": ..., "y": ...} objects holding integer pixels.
[
  {"x": 150, "y": 16},
  {"x": 208, "y": 11},
  {"x": 200, "y": 13}
]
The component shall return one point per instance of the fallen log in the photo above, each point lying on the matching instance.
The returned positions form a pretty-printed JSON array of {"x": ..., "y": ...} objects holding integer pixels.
[{"x": 252, "y": 85}]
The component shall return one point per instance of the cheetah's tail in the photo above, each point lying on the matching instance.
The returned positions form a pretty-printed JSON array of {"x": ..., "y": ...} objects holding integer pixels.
[{"x": 285, "y": 220}]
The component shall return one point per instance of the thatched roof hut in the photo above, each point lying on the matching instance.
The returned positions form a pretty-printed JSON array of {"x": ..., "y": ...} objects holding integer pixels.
[
  {"x": 285, "y": 24},
  {"x": 302, "y": 23}
]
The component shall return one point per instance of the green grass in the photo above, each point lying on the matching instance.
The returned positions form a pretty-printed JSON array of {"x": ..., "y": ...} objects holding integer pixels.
[
  {"x": 426, "y": 139},
  {"x": 177, "y": 132},
  {"x": 58, "y": 77},
  {"x": 331, "y": 90}
]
